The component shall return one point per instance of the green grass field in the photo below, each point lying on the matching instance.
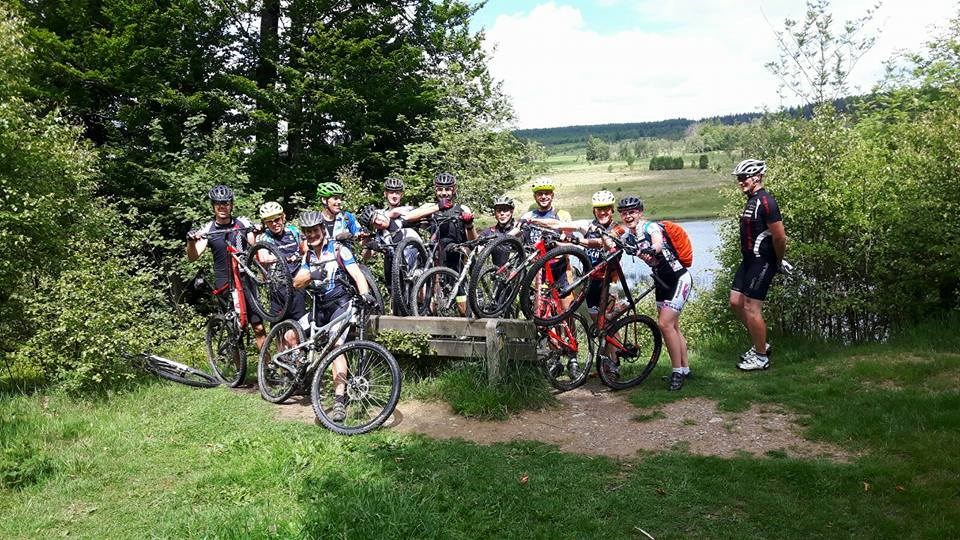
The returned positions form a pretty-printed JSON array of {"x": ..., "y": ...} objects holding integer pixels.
[
  {"x": 680, "y": 194},
  {"x": 164, "y": 461}
]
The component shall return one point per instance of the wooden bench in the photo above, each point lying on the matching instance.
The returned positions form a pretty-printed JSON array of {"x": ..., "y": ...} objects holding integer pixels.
[{"x": 491, "y": 339}]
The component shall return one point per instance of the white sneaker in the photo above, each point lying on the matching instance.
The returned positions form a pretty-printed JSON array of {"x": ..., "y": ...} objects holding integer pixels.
[
  {"x": 753, "y": 350},
  {"x": 753, "y": 362}
]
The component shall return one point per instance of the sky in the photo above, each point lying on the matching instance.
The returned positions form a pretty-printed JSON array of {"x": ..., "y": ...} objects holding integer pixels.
[{"x": 575, "y": 62}]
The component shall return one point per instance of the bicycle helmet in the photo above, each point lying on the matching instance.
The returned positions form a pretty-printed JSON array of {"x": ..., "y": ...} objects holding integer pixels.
[
  {"x": 270, "y": 209},
  {"x": 750, "y": 167},
  {"x": 366, "y": 216},
  {"x": 542, "y": 183},
  {"x": 444, "y": 179},
  {"x": 603, "y": 198},
  {"x": 328, "y": 189},
  {"x": 310, "y": 219},
  {"x": 220, "y": 193},
  {"x": 630, "y": 203},
  {"x": 392, "y": 183},
  {"x": 503, "y": 200}
]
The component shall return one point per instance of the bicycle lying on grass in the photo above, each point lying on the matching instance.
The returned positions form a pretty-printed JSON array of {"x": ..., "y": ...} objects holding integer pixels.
[
  {"x": 173, "y": 371},
  {"x": 362, "y": 371}
]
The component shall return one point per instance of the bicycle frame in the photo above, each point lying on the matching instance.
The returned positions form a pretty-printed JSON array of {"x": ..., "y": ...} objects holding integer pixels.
[
  {"x": 314, "y": 359},
  {"x": 467, "y": 265}
]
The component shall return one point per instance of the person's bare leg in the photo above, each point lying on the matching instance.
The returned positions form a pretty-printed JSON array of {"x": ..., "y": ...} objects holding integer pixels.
[{"x": 753, "y": 318}]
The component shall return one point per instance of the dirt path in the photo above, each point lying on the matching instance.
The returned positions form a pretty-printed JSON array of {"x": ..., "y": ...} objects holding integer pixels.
[{"x": 593, "y": 420}]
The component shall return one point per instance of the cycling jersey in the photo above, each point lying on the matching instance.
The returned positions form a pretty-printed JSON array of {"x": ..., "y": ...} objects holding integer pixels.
[
  {"x": 674, "y": 284},
  {"x": 666, "y": 260},
  {"x": 755, "y": 237},
  {"x": 342, "y": 222},
  {"x": 288, "y": 244},
  {"x": 595, "y": 229},
  {"x": 396, "y": 231},
  {"x": 530, "y": 236},
  {"x": 499, "y": 255},
  {"x": 451, "y": 230},
  {"x": 328, "y": 273},
  {"x": 218, "y": 246}
]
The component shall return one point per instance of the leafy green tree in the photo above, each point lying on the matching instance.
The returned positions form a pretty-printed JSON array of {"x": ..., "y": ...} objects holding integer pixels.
[
  {"x": 597, "y": 149},
  {"x": 704, "y": 162}
]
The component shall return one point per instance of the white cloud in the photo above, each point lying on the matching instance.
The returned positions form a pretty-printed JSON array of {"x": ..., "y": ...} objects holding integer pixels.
[{"x": 691, "y": 58}]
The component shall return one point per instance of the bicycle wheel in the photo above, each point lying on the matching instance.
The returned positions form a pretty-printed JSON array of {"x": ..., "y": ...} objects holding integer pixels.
[
  {"x": 629, "y": 350},
  {"x": 491, "y": 291},
  {"x": 270, "y": 284},
  {"x": 435, "y": 294},
  {"x": 177, "y": 372},
  {"x": 374, "y": 290},
  {"x": 405, "y": 272},
  {"x": 280, "y": 364},
  {"x": 367, "y": 377},
  {"x": 225, "y": 351},
  {"x": 565, "y": 352},
  {"x": 558, "y": 271}
]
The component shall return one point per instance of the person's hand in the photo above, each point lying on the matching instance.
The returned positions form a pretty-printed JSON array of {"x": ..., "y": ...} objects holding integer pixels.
[
  {"x": 368, "y": 300},
  {"x": 468, "y": 219},
  {"x": 193, "y": 235},
  {"x": 785, "y": 268},
  {"x": 257, "y": 228}
]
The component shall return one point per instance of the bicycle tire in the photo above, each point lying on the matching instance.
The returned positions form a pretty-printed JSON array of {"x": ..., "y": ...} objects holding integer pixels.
[
  {"x": 276, "y": 384},
  {"x": 551, "y": 353},
  {"x": 225, "y": 351},
  {"x": 271, "y": 285},
  {"x": 432, "y": 290},
  {"x": 489, "y": 296},
  {"x": 644, "y": 338},
  {"x": 372, "y": 398},
  {"x": 532, "y": 302},
  {"x": 374, "y": 288},
  {"x": 403, "y": 277},
  {"x": 180, "y": 373}
]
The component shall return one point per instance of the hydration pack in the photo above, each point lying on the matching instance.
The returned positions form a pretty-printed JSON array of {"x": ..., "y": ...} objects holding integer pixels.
[{"x": 679, "y": 242}]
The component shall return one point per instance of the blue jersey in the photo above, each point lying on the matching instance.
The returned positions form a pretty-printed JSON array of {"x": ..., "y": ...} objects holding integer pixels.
[
  {"x": 342, "y": 222},
  {"x": 288, "y": 244}
]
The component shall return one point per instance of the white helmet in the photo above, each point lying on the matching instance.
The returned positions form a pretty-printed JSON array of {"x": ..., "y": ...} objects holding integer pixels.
[
  {"x": 603, "y": 198},
  {"x": 750, "y": 167},
  {"x": 270, "y": 209}
]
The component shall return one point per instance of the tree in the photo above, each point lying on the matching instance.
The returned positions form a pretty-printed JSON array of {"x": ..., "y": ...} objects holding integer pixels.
[
  {"x": 597, "y": 149},
  {"x": 815, "y": 61},
  {"x": 703, "y": 161}
]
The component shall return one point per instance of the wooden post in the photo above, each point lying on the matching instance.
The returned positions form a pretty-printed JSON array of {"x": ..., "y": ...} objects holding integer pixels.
[{"x": 493, "y": 350}]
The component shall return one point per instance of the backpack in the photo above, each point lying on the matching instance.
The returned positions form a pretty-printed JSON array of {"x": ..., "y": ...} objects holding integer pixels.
[{"x": 679, "y": 242}]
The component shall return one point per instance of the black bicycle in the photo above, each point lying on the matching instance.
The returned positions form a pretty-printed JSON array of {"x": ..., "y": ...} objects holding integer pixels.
[{"x": 411, "y": 259}]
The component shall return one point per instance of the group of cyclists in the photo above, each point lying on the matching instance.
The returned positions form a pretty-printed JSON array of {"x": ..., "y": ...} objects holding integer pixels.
[{"x": 317, "y": 254}]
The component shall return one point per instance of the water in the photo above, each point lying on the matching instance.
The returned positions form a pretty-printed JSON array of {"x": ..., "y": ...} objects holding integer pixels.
[{"x": 705, "y": 237}]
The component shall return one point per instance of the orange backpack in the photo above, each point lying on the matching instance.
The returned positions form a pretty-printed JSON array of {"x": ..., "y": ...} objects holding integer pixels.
[{"x": 679, "y": 242}]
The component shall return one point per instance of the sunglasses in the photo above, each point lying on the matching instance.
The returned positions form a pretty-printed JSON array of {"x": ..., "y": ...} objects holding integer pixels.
[
  {"x": 744, "y": 177},
  {"x": 277, "y": 219}
]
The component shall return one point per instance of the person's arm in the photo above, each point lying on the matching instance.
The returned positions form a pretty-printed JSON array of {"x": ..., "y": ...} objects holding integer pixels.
[
  {"x": 779, "y": 238},
  {"x": 302, "y": 279},
  {"x": 468, "y": 223},
  {"x": 422, "y": 212},
  {"x": 196, "y": 245},
  {"x": 358, "y": 278}
]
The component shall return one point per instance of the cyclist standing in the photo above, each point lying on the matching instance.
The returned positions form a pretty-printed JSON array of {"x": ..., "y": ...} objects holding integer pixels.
[
  {"x": 673, "y": 284},
  {"x": 240, "y": 236},
  {"x": 393, "y": 193},
  {"x": 389, "y": 228},
  {"x": 328, "y": 267},
  {"x": 763, "y": 242},
  {"x": 335, "y": 218},
  {"x": 503, "y": 207},
  {"x": 290, "y": 243},
  {"x": 543, "y": 191}
]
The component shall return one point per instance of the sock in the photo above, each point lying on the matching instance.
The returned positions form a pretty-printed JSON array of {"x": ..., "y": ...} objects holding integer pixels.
[
  {"x": 678, "y": 370},
  {"x": 685, "y": 370}
]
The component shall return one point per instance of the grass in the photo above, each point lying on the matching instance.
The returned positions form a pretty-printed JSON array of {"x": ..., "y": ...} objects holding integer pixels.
[
  {"x": 162, "y": 460},
  {"x": 680, "y": 194}
]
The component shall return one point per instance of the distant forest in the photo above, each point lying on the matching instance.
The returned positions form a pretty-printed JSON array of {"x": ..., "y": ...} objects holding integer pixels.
[{"x": 673, "y": 129}]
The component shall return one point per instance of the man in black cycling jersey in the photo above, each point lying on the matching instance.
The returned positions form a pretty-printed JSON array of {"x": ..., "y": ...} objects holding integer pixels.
[
  {"x": 455, "y": 227},
  {"x": 763, "y": 242},
  {"x": 393, "y": 193},
  {"x": 240, "y": 236},
  {"x": 672, "y": 288},
  {"x": 332, "y": 271},
  {"x": 389, "y": 229},
  {"x": 290, "y": 243},
  {"x": 503, "y": 207}
]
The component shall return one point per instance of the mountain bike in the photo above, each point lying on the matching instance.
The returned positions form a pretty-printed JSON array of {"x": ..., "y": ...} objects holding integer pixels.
[
  {"x": 500, "y": 269},
  {"x": 174, "y": 371},
  {"x": 364, "y": 371},
  {"x": 271, "y": 290},
  {"x": 435, "y": 293},
  {"x": 419, "y": 257},
  {"x": 628, "y": 344}
]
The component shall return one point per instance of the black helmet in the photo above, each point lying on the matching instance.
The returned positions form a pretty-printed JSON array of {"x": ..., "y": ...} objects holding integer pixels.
[
  {"x": 392, "y": 183},
  {"x": 444, "y": 179},
  {"x": 366, "y": 215},
  {"x": 630, "y": 203},
  {"x": 220, "y": 193},
  {"x": 310, "y": 219}
]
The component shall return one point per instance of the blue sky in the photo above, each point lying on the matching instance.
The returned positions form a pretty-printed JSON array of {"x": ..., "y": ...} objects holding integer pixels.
[{"x": 570, "y": 62}]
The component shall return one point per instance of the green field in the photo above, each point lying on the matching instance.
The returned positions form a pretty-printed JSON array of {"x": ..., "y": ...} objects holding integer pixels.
[
  {"x": 166, "y": 461},
  {"x": 680, "y": 194}
]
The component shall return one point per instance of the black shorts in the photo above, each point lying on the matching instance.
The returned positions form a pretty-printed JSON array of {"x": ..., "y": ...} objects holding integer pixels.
[
  {"x": 252, "y": 316},
  {"x": 297, "y": 307},
  {"x": 324, "y": 311},
  {"x": 753, "y": 277},
  {"x": 593, "y": 295}
]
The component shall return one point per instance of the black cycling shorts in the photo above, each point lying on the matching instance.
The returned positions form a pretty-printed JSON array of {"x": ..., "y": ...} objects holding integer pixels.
[
  {"x": 753, "y": 277},
  {"x": 594, "y": 287},
  {"x": 297, "y": 307}
]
